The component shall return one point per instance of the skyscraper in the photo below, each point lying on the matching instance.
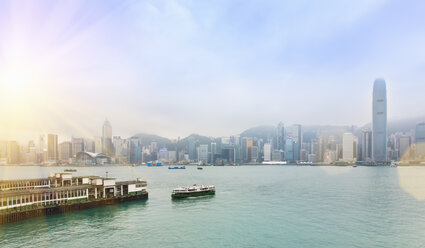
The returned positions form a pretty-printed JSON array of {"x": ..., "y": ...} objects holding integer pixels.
[
  {"x": 379, "y": 121},
  {"x": 267, "y": 152},
  {"x": 420, "y": 140},
  {"x": 52, "y": 147},
  {"x": 348, "y": 147},
  {"x": 366, "y": 145},
  {"x": 107, "y": 138},
  {"x": 280, "y": 136}
]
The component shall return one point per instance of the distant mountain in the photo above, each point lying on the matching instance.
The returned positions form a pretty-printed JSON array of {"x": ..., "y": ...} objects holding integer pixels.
[
  {"x": 403, "y": 125},
  {"x": 198, "y": 139},
  {"x": 264, "y": 132},
  {"x": 148, "y": 138}
]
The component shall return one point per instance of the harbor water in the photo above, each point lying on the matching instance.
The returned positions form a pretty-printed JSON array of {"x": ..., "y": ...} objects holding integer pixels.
[{"x": 254, "y": 206}]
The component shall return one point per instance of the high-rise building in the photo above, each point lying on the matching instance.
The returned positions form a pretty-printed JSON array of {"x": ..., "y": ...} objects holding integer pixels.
[
  {"x": 294, "y": 133},
  {"x": 366, "y": 145},
  {"x": 191, "y": 148},
  {"x": 403, "y": 145},
  {"x": 107, "y": 138},
  {"x": 77, "y": 145},
  {"x": 379, "y": 121},
  {"x": 31, "y": 155},
  {"x": 65, "y": 151},
  {"x": 203, "y": 153},
  {"x": 280, "y": 137},
  {"x": 289, "y": 150},
  {"x": 12, "y": 152},
  {"x": 420, "y": 140},
  {"x": 253, "y": 151},
  {"x": 348, "y": 147},
  {"x": 267, "y": 152},
  {"x": 52, "y": 147},
  {"x": 97, "y": 144}
]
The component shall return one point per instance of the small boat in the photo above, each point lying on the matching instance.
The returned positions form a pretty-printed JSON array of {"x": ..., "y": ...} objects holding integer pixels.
[
  {"x": 200, "y": 168},
  {"x": 192, "y": 191},
  {"x": 393, "y": 164},
  {"x": 176, "y": 167},
  {"x": 70, "y": 170}
]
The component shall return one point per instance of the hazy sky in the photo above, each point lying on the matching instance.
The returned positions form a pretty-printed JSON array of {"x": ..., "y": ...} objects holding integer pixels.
[{"x": 211, "y": 67}]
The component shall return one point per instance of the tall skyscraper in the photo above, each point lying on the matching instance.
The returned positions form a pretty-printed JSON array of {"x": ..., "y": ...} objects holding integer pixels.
[
  {"x": 65, "y": 151},
  {"x": 420, "y": 140},
  {"x": 294, "y": 135},
  {"x": 280, "y": 137},
  {"x": 52, "y": 147},
  {"x": 203, "y": 153},
  {"x": 348, "y": 147},
  {"x": 12, "y": 152},
  {"x": 107, "y": 138},
  {"x": 366, "y": 145},
  {"x": 379, "y": 121},
  {"x": 267, "y": 152},
  {"x": 191, "y": 148}
]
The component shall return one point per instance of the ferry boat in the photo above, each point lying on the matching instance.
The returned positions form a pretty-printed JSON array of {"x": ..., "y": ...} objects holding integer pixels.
[
  {"x": 393, "y": 164},
  {"x": 192, "y": 191},
  {"x": 176, "y": 167}
]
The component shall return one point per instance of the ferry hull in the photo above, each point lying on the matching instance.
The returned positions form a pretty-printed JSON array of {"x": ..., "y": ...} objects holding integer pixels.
[{"x": 192, "y": 194}]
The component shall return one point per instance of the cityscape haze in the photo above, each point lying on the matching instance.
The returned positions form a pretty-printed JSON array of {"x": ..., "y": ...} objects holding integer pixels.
[{"x": 189, "y": 123}]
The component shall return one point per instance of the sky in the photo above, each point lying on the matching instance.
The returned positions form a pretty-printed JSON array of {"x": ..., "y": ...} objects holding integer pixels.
[{"x": 215, "y": 68}]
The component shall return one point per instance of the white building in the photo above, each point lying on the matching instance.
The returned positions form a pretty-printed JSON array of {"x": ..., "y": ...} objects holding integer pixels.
[
  {"x": 267, "y": 152},
  {"x": 349, "y": 147}
]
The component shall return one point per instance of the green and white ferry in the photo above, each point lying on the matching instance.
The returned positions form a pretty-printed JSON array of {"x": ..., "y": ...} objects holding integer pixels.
[{"x": 193, "y": 191}]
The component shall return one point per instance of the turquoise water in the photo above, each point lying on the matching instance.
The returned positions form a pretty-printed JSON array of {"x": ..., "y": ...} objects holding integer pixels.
[{"x": 255, "y": 206}]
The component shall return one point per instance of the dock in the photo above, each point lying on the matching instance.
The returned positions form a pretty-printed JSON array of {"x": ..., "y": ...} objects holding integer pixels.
[{"x": 62, "y": 192}]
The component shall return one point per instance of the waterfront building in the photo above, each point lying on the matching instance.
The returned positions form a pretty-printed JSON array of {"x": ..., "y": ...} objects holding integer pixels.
[
  {"x": 89, "y": 145},
  {"x": 77, "y": 145},
  {"x": 420, "y": 140},
  {"x": 244, "y": 149},
  {"x": 63, "y": 189},
  {"x": 403, "y": 147},
  {"x": 280, "y": 136},
  {"x": 289, "y": 150},
  {"x": 107, "y": 138},
  {"x": 172, "y": 156},
  {"x": 366, "y": 145},
  {"x": 228, "y": 154},
  {"x": 65, "y": 151},
  {"x": 379, "y": 121},
  {"x": 89, "y": 158},
  {"x": 253, "y": 151},
  {"x": 31, "y": 154},
  {"x": 97, "y": 144},
  {"x": 135, "y": 150},
  {"x": 163, "y": 155},
  {"x": 52, "y": 147},
  {"x": 294, "y": 133},
  {"x": 267, "y": 152},
  {"x": 213, "y": 151},
  {"x": 276, "y": 155},
  {"x": 121, "y": 149},
  {"x": 348, "y": 147},
  {"x": 12, "y": 152},
  {"x": 203, "y": 153},
  {"x": 191, "y": 148}
]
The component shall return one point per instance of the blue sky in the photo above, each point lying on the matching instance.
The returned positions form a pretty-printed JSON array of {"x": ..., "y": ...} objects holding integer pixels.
[{"x": 211, "y": 67}]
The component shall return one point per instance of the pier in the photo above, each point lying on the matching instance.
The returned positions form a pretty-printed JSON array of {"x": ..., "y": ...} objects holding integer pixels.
[{"x": 61, "y": 193}]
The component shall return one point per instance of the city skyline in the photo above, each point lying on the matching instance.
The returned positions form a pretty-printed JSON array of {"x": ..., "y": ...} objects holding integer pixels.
[{"x": 174, "y": 68}]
